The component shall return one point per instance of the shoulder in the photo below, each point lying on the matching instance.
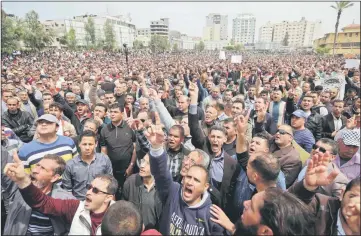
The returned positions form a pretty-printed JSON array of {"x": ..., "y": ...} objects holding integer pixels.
[
  {"x": 65, "y": 140},
  {"x": 60, "y": 193}
]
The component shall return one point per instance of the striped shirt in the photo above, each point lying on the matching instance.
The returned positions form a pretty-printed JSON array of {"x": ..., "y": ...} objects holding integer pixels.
[
  {"x": 39, "y": 224},
  {"x": 31, "y": 153}
]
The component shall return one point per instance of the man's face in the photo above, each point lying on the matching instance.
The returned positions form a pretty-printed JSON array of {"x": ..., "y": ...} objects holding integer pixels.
[
  {"x": 259, "y": 104},
  {"x": 115, "y": 115},
  {"x": 222, "y": 87},
  {"x": 321, "y": 145},
  {"x": 348, "y": 206},
  {"x": 276, "y": 96},
  {"x": 87, "y": 146},
  {"x": 251, "y": 92},
  {"x": 346, "y": 151},
  {"x": 194, "y": 185},
  {"x": 174, "y": 139},
  {"x": 48, "y": 99},
  {"x": 337, "y": 109},
  {"x": 99, "y": 112},
  {"x": 192, "y": 159},
  {"x": 285, "y": 138},
  {"x": 315, "y": 98},
  {"x": 55, "y": 112},
  {"x": 294, "y": 82},
  {"x": 297, "y": 122},
  {"x": 307, "y": 103},
  {"x": 236, "y": 109},
  {"x": 267, "y": 87},
  {"x": 129, "y": 99},
  {"x": 13, "y": 105},
  {"x": 6, "y": 96},
  {"x": 181, "y": 83},
  {"x": 45, "y": 127},
  {"x": 144, "y": 105},
  {"x": 211, "y": 114},
  {"x": 251, "y": 217},
  {"x": 144, "y": 169},
  {"x": 325, "y": 98},
  {"x": 217, "y": 138},
  {"x": 70, "y": 99},
  {"x": 24, "y": 96},
  {"x": 231, "y": 130},
  {"x": 209, "y": 85},
  {"x": 94, "y": 201},
  {"x": 333, "y": 93},
  {"x": 306, "y": 87},
  {"x": 110, "y": 98},
  {"x": 258, "y": 145},
  {"x": 43, "y": 174},
  {"x": 90, "y": 126},
  {"x": 81, "y": 108},
  {"x": 120, "y": 88},
  {"x": 76, "y": 90},
  {"x": 64, "y": 85},
  {"x": 228, "y": 96},
  {"x": 215, "y": 93},
  {"x": 183, "y": 103}
]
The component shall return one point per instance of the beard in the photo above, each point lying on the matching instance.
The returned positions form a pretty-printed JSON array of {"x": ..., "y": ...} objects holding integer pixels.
[
  {"x": 241, "y": 229},
  {"x": 38, "y": 183}
]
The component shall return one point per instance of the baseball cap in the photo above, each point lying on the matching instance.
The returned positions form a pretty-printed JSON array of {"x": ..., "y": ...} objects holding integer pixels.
[
  {"x": 351, "y": 138},
  {"x": 48, "y": 117},
  {"x": 82, "y": 101},
  {"x": 300, "y": 114}
]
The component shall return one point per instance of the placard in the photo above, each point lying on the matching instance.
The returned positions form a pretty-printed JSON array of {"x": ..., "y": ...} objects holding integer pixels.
[
  {"x": 236, "y": 59},
  {"x": 222, "y": 55},
  {"x": 352, "y": 63}
]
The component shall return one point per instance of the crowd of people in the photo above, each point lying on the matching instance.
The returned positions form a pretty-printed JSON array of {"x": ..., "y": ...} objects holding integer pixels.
[{"x": 179, "y": 144}]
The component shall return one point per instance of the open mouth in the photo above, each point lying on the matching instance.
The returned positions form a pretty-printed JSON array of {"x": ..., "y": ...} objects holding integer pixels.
[
  {"x": 187, "y": 191},
  {"x": 252, "y": 149}
]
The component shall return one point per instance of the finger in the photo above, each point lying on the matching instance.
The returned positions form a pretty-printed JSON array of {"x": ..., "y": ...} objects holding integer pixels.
[
  {"x": 248, "y": 114},
  {"x": 16, "y": 158},
  {"x": 216, "y": 207},
  {"x": 309, "y": 166},
  {"x": 157, "y": 118},
  {"x": 215, "y": 220},
  {"x": 332, "y": 176}
]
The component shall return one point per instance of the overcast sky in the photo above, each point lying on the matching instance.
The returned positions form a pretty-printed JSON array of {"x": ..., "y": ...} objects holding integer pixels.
[{"x": 190, "y": 18}]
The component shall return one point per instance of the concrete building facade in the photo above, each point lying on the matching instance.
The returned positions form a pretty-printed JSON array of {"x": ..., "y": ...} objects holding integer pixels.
[
  {"x": 160, "y": 27},
  {"x": 244, "y": 29},
  {"x": 216, "y": 28}
]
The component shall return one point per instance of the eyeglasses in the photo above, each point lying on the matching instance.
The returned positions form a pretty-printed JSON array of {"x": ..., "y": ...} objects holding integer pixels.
[
  {"x": 321, "y": 149},
  {"x": 283, "y": 132},
  {"x": 186, "y": 158},
  {"x": 95, "y": 190}
]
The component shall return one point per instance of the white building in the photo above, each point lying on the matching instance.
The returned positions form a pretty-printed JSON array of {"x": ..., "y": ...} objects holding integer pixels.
[
  {"x": 244, "y": 29},
  {"x": 300, "y": 33},
  {"x": 216, "y": 28},
  {"x": 188, "y": 43},
  {"x": 160, "y": 27},
  {"x": 124, "y": 30},
  {"x": 58, "y": 27},
  {"x": 215, "y": 45},
  {"x": 143, "y": 32}
]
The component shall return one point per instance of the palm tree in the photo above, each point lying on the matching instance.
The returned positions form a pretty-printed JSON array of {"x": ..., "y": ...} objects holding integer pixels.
[{"x": 340, "y": 6}]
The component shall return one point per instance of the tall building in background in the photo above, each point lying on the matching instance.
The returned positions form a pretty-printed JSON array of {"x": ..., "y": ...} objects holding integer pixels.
[
  {"x": 216, "y": 28},
  {"x": 244, "y": 29},
  {"x": 298, "y": 33},
  {"x": 160, "y": 27}
]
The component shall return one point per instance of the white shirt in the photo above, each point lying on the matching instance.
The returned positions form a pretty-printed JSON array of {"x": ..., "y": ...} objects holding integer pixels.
[
  {"x": 60, "y": 130},
  {"x": 337, "y": 123}
]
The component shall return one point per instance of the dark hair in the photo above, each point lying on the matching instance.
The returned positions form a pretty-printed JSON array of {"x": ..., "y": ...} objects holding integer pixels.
[
  {"x": 352, "y": 183},
  {"x": 91, "y": 120},
  {"x": 264, "y": 92},
  {"x": 239, "y": 101},
  {"x": 350, "y": 90},
  {"x": 264, "y": 100},
  {"x": 219, "y": 106},
  {"x": 122, "y": 218},
  {"x": 101, "y": 105},
  {"x": 332, "y": 143},
  {"x": 109, "y": 92},
  {"x": 87, "y": 133},
  {"x": 229, "y": 120},
  {"x": 267, "y": 166},
  {"x": 204, "y": 169},
  {"x": 57, "y": 105},
  {"x": 59, "y": 161},
  {"x": 307, "y": 96},
  {"x": 318, "y": 88},
  {"x": 285, "y": 214},
  {"x": 116, "y": 106},
  {"x": 180, "y": 130},
  {"x": 112, "y": 182},
  {"x": 263, "y": 136}
]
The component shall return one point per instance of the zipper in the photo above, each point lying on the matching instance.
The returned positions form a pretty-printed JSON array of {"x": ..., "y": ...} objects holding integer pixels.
[{"x": 86, "y": 223}]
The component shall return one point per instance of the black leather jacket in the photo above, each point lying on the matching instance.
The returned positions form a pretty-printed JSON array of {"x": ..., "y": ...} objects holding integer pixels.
[{"x": 20, "y": 123}]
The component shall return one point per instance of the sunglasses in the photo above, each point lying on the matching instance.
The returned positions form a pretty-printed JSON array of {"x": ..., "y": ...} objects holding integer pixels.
[
  {"x": 321, "y": 149},
  {"x": 283, "y": 132},
  {"x": 95, "y": 190}
]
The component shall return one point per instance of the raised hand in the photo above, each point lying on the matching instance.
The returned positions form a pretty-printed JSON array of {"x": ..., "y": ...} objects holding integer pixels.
[
  {"x": 15, "y": 171},
  {"x": 261, "y": 115},
  {"x": 219, "y": 217},
  {"x": 317, "y": 172},
  {"x": 242, "y": 123},
  {"x": 155, "y": 134}
]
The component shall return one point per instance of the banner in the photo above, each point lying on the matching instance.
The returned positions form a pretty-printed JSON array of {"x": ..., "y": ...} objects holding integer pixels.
[
  {"x": 352, "y": 63},
  {"x": 236, "y": 59},
  {"x": 335, "y": 80},
  {"x": 222, "y": 55}
]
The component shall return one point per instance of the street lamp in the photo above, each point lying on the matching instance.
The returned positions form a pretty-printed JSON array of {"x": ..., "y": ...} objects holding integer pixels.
[{"x": 126, "y": 55}]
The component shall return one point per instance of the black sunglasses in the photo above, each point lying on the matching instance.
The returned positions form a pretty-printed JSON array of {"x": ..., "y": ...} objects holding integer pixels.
[
  {"x": 283, "y": 132},
  {"x": 319, "y": 148},
  {"x": 95, "y": 190}
]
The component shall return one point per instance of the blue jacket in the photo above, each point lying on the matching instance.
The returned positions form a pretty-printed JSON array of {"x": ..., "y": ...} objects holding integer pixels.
[{"x": 177, "y": 217}]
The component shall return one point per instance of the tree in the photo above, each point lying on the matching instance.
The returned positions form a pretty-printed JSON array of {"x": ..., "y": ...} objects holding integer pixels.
[
  {"x": 12, "y": 31},
  {"x": 71, "y": 39},
  {"x": 285, "y": 40},
  {"x": 339, "y": 7},
  {"x": 229, "y": 48},
  {"x": 238, "y": 47},
  {"x": 36, "y": 37},
  {"x": 109, "y": 35},
  {"x": 323, "y": 50},
  {"x": 232, "y": 42},
  {"x": 90, "y": 32},
  {"x": 159, "y": 43},
  {"x": 175, "y": 47},
  {"x": 137, "y": 44},
  {"x": 201, "y": 46}
]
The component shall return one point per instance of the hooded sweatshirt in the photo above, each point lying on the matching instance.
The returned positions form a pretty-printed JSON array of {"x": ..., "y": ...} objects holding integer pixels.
[{"x": 178, "y": 218}]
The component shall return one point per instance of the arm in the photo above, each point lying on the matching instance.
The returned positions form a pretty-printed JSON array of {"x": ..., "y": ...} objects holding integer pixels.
[
  {"x": 164, "y": 115},
  {"x": 109, "y": 167},
  {"x": 68, "y": 112},
  {"x": 142, "y": 140},
  {"x": 67, "y": 180},
  {"x": 37, "y": 103},
  {"x": 103, "y": 144},
  {"x": 291, "y": 171}
]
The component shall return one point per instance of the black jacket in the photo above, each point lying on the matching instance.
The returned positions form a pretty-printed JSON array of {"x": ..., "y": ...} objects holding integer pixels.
[
  {"x": 231, "y": 168},
  {"x": 132, "y": 192},
  {"x": 313, "y": 123},
  {"x": 328, "y": 126},
  {"x": 20, "y": 123}
]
